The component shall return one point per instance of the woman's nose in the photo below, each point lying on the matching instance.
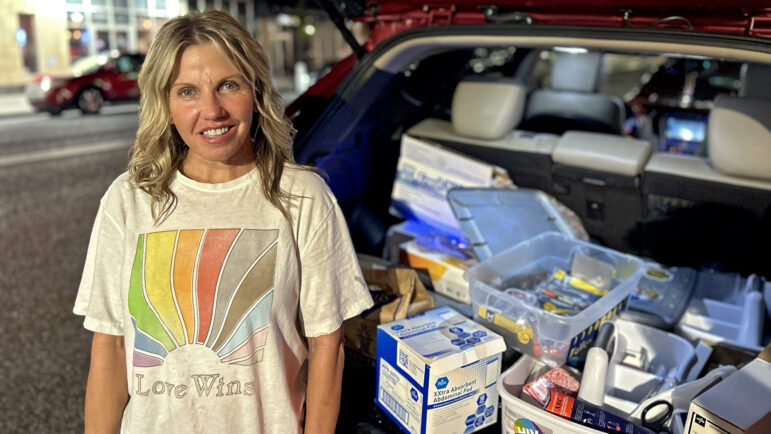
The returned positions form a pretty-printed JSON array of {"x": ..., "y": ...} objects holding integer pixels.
[{"x": 211, "y": 106}]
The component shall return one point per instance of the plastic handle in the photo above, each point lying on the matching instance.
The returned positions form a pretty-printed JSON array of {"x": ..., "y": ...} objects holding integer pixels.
[{"x": 752, "y": 323}]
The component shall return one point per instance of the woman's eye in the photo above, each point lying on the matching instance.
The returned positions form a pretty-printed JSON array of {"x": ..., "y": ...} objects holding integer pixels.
[
  {"x": 230, "y": 85},
  {"x": 186, "y": 92}
]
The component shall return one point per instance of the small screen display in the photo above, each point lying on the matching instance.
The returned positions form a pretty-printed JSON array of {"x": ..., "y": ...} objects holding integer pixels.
[
  {"x": 684, "y": 134},
  {"x": 687, "y": 130}
]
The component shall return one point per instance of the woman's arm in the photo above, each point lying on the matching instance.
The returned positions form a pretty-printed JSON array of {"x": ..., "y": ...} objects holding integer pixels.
[
  {"x": 325, "y": 376},
  {"x": 107, "y": 390}
]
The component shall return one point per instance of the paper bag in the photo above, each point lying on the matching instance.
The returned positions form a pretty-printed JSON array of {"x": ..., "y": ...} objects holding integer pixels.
[{"x": 397, "y": 293}]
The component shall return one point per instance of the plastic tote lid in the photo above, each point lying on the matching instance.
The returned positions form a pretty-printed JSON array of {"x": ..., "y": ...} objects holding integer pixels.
[{"x": 492, "y": 220}]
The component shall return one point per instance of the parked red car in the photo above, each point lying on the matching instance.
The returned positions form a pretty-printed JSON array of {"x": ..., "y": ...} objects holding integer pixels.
[{"x": 93, "y": 80}]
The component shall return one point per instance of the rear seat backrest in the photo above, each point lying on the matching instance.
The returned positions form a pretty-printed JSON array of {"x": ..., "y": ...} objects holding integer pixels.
[
  {"x": 484, "y": 113},
  {"x": 487, "y": 108},
  {"x": 717, "y": 209},
  {"x": 755, "y": 81},
  {"x": 573, "y": 101},
  {"x": 598, "y": 177},
  {"x": 739, "y": 137}
]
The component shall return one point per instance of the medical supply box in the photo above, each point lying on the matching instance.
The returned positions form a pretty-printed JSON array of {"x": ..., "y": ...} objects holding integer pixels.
[
  {"x": 446, "y": 272},
  {"x": 437, "y": 373},
  {"x": 739, "y": 404}
]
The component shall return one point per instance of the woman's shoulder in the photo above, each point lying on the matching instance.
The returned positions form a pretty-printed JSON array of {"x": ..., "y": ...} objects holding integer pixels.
[
  {"x": 304, "y": 181},
  {"x": 121, "y": 192},
  {"x": 121, "y": 185}
]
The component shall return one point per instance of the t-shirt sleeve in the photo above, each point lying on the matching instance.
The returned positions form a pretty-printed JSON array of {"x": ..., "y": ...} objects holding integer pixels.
[
  {"x": 98, "y": 298},
  {"x": 332, "y": 288}
]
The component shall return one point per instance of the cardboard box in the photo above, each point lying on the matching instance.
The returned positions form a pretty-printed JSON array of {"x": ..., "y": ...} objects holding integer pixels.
[
  {"x": 740, "y": 404},
  {"x": 446, "y": 271},
  {"x": 426, "y": 172},
  {"x": 437, "y": 373}
]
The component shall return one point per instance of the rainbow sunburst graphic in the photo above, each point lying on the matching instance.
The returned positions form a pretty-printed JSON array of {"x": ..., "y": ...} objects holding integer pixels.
[{"x": 202, "y": 287}]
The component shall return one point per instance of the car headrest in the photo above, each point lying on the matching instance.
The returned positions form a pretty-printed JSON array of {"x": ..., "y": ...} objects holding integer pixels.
[
  {"x": 739, "y": 137},
  {"x": 487, "y": 108},
  {"x": 577, "y": 72},
  {"x": 756, "y": 81}
]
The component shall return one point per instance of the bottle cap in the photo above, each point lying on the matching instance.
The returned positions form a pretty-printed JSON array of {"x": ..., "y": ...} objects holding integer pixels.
[{"x": 604, "y": 335}]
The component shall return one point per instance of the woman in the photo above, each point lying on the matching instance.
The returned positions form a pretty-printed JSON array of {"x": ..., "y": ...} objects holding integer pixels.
[{"x": 216, "y": 265}]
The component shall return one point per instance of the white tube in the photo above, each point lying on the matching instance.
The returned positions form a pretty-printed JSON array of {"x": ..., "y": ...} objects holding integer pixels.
[{"x": 592, "y": 388}]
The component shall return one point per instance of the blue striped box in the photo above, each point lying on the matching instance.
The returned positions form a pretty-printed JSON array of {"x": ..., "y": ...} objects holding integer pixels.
[{"x": 437, "y": 372}]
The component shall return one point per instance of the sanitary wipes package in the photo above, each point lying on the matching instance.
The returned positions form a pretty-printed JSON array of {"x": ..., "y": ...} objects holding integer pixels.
[{"x": 437, "y": 372}]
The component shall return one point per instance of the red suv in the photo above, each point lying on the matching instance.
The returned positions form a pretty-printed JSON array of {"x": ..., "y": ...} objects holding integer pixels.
[
  {"x": 680, "y": 93},
  {"x": 92, "y": 81}
]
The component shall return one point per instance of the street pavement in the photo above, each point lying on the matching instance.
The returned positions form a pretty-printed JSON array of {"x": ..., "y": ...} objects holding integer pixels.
[{"x": 46, "y": 212}]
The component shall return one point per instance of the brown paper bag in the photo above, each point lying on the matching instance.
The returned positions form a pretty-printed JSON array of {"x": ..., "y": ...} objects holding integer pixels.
[{"x": 398, "y": 293}]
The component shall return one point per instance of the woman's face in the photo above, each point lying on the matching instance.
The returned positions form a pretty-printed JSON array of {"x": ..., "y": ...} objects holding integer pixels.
[{"x": 211, "y": 106}]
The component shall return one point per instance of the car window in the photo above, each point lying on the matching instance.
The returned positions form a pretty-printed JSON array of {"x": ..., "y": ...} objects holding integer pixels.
[
  {"x": 666, "y": 98},
  {"x": 88, "y": 65},
  {"x": 126, "y": 64}
]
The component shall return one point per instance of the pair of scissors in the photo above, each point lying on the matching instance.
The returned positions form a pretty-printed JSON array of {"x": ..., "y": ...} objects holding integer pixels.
[{"x": 655, "y": 416}]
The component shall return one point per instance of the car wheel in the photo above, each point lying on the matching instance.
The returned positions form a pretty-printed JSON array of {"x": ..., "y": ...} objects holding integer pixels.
[{"x": 90, "y": 100}]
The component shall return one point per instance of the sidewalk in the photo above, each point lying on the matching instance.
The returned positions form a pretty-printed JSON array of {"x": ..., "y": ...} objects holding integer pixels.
[{"x": 12, "y": 104}]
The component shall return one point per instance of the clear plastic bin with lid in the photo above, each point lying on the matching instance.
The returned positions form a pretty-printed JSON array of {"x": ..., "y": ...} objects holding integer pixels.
[{"x": 550, "y": 293}]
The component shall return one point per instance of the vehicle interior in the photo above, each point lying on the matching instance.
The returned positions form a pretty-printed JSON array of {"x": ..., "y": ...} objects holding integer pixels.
[{"x": 662, "y": 149}]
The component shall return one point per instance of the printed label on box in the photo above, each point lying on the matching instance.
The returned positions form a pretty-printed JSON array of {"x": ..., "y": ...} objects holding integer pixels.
[
  {"x": 468, "y": 393},
  {"x": 438, "y": 371},
  {"x": 398, "y": 394},
  {"x": 425, "y": 173},
  {"x": 409, "y": 363}
]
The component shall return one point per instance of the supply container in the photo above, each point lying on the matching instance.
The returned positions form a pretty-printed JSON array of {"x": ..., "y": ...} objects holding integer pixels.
[
  {"x": 518, "y": 416},
  {"x": 726, "y": 308},
  {"x": 661, "y": 296},
  {"x": 662, "y": 360},
  {"x": 500, "y": 287}
]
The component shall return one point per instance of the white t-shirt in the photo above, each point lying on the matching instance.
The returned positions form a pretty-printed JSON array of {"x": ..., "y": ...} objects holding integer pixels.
[{"x": 214, "y": 302}]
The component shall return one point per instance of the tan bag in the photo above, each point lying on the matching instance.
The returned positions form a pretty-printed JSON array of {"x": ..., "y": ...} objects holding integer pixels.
[{"x": 398, "y": 293}]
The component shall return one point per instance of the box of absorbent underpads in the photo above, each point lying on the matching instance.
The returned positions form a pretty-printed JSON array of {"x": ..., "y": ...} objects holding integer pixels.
[{"x": 437, "y": 373}]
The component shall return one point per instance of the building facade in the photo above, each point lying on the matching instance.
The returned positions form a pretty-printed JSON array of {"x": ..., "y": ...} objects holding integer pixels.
[{"x": 44, "y": 36}]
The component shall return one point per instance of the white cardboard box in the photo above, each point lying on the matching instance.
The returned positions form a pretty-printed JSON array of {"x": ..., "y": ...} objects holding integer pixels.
[
  {"x": 437, "y": 373},
  {"x": 740, "y": 404},
  {"x": 426, "y": 172},
  {"x": 446, "y": 271}
]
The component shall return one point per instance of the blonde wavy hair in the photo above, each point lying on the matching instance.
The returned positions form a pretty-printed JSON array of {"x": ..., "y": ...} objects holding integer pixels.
[{"x": 159, "y": 150}]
